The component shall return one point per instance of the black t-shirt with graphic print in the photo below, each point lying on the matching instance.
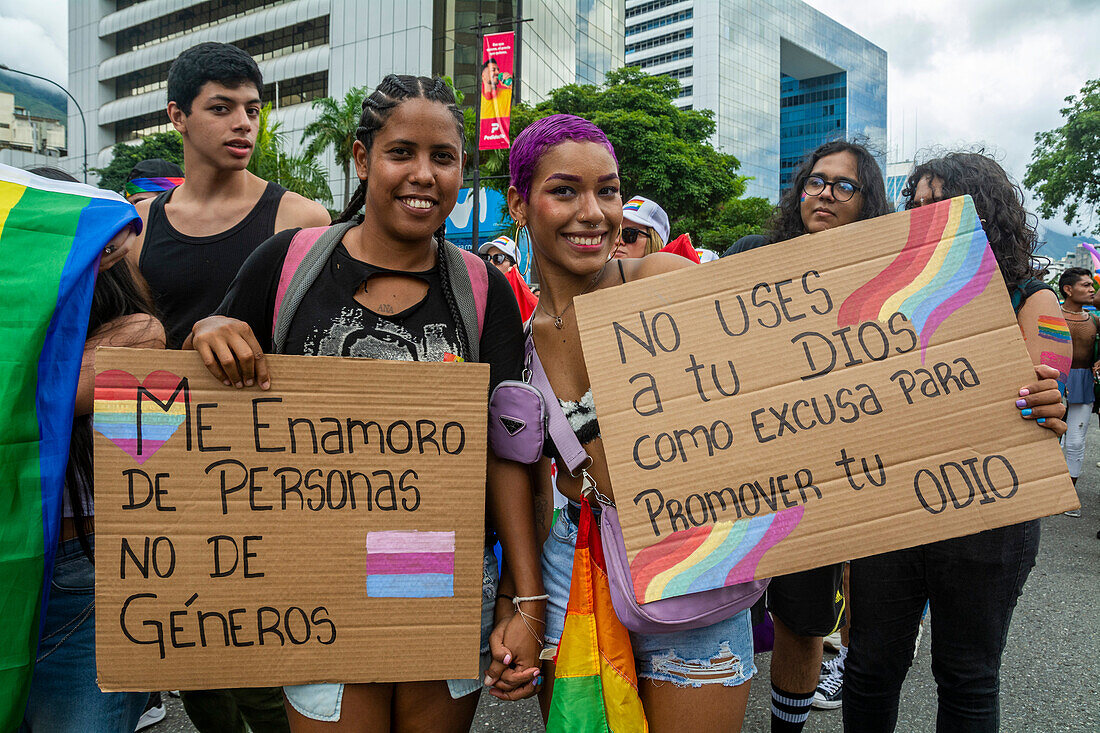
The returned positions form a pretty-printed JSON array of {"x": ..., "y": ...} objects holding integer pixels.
[{"x": 330, "y": 322}]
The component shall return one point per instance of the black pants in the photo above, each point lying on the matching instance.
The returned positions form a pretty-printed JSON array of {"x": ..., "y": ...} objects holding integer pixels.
[{"x": 972, "y": 584}]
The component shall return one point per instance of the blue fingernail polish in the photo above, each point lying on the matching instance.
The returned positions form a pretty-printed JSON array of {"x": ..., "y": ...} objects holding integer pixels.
[
  {"x": 1041, "y": 421},
  {"x": 1026, "y": 412}
]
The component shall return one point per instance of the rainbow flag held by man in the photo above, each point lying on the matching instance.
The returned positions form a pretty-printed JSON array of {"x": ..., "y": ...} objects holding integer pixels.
[
  {"x": 51, "y": 236},
  {"x": 595, "y": 684}
]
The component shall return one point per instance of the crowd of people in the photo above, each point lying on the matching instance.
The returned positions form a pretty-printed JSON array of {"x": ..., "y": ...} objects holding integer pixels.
[{"x": 204, "y": 274}]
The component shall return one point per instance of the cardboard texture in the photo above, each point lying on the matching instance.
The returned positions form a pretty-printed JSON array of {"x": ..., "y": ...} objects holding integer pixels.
[
  {"x": 248, "y": 538},
  {"x": 839, "y": 395}
]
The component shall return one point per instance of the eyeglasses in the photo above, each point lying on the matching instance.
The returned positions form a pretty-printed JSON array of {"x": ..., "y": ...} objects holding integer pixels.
[
  {"x": 842, "y": 189},
  {"x": 630, "y": 235},
  {"x": 497, "y": 259}
]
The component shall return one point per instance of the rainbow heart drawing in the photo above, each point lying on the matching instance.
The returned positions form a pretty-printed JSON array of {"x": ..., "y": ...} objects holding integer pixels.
[{"x": 138, "y": 417}]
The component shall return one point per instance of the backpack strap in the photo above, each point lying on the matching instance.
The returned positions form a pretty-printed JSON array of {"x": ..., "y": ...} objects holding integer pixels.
[
  {"x": 1025, "y": 289},
  {"x": 299, "y": 245},
  {"x": 469, "y": 282},
  {"x": 300, "y": 271}
]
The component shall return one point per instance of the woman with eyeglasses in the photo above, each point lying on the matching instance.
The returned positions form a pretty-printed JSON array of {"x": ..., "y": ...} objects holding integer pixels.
[
  {"x": 971, "y": 583},
  {"x": 644, "y": 231},
  {"x": 838, "y": 183}
]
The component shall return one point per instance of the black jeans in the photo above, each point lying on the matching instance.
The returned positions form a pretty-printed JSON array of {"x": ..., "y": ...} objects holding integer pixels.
[{"x": 972, "y": 584}]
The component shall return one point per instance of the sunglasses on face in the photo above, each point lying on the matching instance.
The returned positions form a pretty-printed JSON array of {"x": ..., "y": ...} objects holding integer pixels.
[
  {"x": 842, "y": 189},
  {"x": 497, "y": 259},
  {"x": 630, "y": 234}
]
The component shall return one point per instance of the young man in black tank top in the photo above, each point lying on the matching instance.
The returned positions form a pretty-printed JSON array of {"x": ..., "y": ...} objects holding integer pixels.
[
  {"x": 197, "y": 235},
  {"x": 195, "y": 238}
]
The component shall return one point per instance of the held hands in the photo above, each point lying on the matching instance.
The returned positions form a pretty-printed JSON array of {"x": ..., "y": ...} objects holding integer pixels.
[
  {"x": 514, "y": 672},
  {"x": 230, "y": 351},
  {"x": 1042, "y": 401}
]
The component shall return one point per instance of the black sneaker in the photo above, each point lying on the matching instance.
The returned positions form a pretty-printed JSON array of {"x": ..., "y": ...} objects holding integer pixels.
[
  {"x": 154, "y": 712},
  {"x": 829, "y": 691}
]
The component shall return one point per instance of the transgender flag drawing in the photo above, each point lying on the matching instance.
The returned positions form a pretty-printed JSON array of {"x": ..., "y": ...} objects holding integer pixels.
[
  {"x": 945, "y": 264},
  {"x": 410, "y": 564}
]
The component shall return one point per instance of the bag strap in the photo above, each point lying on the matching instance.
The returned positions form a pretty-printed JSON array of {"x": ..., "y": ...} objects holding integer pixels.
[
  {"x": 469, "y": 282},
  {"x": 311, "y": 249},
  {"x": 572, "y": 453}
]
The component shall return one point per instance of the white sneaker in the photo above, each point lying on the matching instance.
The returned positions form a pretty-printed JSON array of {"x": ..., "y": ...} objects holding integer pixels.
[
  {"x": 832, "y": 641},
  {"x": 154, "y": 712},
  {"x": 829, "y": 691}
]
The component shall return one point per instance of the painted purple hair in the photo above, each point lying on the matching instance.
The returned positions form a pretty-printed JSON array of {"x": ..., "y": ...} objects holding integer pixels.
[{"x": 531, "y": 144}]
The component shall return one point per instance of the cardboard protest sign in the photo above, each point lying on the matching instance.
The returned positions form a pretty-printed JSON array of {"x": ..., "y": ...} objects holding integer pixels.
[
  {"x": 330, "y": 529},
  {"x": 836, "y": 396}
]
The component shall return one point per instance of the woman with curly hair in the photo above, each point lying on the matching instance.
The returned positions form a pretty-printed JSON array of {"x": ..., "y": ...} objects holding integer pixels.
[
  {"x": 971, "y": 583},
  {"x": 838, "y": 183}
]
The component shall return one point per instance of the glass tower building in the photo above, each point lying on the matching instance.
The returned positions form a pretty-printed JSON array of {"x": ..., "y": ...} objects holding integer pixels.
[
  {"x": 120, "y": 51},
  {"x": 780, "y": 77}
]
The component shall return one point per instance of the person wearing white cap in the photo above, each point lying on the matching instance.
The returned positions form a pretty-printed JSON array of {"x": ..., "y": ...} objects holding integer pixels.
[
  {"x": 644, "y": 231},
  {"x": 501, "y": 252}
]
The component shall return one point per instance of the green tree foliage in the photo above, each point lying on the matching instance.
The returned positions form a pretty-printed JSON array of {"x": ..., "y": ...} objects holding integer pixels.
[
  {"x": 718, "y": 228},
  {"x": 662, "y": 150},
  {"x": 1065, "y": 166},
  {"x": 270, "y": 160},
  {"x": 335, "y": 128},
  {"x": 165, "y": 145}
]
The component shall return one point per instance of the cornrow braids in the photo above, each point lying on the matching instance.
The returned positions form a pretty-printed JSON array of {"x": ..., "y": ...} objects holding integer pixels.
[
  {"x": 449, "y": 296},
  {"x": 379, "y": 105}
]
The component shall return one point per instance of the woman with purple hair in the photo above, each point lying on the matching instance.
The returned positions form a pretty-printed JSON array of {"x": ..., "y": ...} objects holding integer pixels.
[{"x": 565, "y": 193}]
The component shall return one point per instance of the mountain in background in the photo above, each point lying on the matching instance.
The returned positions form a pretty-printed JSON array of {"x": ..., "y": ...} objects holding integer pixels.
[
  {"x": 1056, "y": 246},
  {"x": 37, "y": 97}
]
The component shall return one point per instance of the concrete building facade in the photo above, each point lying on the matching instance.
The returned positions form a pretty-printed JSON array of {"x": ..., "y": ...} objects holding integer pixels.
[
  {"x": 120, "y": 52},
  {"x": 780, "y": 77},
  {"x": 20, "y": 130}
]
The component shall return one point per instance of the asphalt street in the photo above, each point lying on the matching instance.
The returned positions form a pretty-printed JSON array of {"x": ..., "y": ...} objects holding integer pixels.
[{"x": 1050, "y": 678}]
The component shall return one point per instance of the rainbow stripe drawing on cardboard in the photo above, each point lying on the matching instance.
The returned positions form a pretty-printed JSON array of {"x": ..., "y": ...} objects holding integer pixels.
[
  {"x": 410, "y": 564},
  {"x": 945, "y": 264},
  {"x": 707, "y": 557},
  {"x": 1054, "y": 328}
]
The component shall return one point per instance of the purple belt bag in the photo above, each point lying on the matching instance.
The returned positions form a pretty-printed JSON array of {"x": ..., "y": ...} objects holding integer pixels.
[
  {"x": 681, "y": 613},
  {"x": 517, "y": 422}
]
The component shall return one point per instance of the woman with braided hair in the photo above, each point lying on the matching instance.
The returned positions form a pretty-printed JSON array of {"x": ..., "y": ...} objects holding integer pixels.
[{"x": 385, "y": 293}]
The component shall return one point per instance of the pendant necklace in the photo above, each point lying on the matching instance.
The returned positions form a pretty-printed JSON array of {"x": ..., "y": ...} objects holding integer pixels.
[{"x": 557, "y": 317}]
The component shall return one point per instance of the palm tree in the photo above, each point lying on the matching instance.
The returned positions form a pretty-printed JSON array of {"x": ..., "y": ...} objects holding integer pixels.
[
  {"x": 335, "y": 127},
  {"x": 298, "y": 173}
]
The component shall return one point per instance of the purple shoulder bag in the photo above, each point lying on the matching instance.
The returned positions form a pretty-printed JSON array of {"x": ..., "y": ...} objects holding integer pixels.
[{"x": 681, "y": 613}]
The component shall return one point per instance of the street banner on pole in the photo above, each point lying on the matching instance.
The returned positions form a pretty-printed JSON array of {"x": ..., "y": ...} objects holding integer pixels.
[{"x": 496, "y": 90}]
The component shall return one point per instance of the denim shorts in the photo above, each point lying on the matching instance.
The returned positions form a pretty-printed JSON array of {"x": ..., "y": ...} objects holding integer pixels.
[
  {"x": 717, "y": 654},
  {"x": 321, "y": 701}
]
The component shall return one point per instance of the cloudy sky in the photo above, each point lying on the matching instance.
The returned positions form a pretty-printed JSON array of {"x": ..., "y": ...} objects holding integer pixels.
[{"x": 990, "y": 72}]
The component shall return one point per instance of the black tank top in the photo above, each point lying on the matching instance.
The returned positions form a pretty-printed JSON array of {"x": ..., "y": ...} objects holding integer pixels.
[{"x": 189, "y": 276}]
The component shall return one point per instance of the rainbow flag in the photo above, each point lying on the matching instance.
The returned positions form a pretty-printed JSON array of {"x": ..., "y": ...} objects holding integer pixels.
[
  {"x": 410, "y": 564},
  {"x": 51, "y": 235},
  {"x": 595, "y": 685}
]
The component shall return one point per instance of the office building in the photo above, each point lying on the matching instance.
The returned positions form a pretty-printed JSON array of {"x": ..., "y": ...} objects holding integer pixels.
[
  {"x": 780, "y": 77},
  {"x": 897, "y": 174},
  {"x": 22, "y": 131},
  {"x": 120, "y": 52}
]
